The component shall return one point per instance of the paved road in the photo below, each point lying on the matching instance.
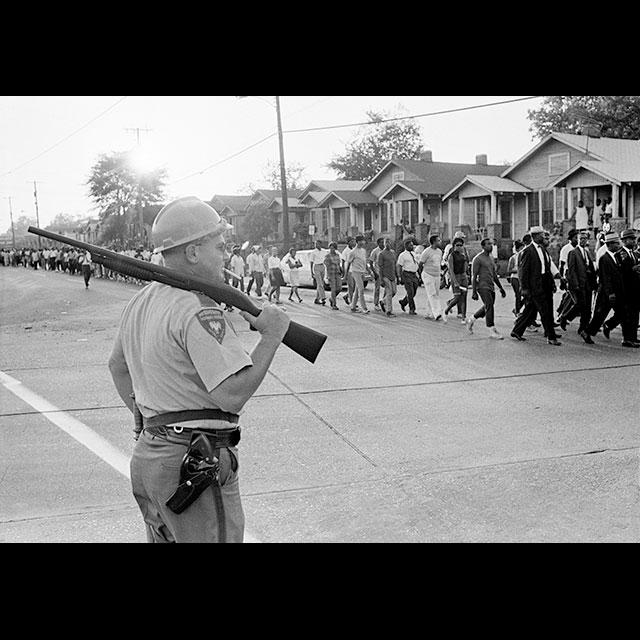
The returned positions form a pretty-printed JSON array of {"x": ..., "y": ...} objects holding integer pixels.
[{"x": 404, "y": 430}]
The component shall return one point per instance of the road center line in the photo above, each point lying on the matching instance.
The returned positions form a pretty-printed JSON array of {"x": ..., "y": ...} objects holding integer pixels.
[{"x": 77, "y": 430}]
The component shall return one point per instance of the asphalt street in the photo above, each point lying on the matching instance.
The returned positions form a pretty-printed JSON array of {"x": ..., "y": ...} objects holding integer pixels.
[{"x": 404, "y": 429}]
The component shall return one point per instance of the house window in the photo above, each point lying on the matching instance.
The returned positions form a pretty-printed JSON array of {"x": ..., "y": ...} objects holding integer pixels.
[
  {"x": 481, "y": 205},
  {"x": 561, "y": 203},
  {"x": 324, "y": 220},
  {"x": 558, "y": 163},
  {"x": 367, "y": 219},
  {"x": 547, "y": 209},
  {"x": 397, "y": 176},
  {"x": 534, "y": 209}
]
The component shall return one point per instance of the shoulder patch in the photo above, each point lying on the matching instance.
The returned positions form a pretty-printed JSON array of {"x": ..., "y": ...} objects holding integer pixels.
[{"x": 213, "y": 322}]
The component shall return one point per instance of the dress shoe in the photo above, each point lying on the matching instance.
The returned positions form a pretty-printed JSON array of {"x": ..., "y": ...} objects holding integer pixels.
[
  {"x": 554, "y": 342},
  {"x": 384, "y": 310},
  {"x": 633, "y": 345},
  {"x": 606, "y": 331},
  {"x": 517, "y": 337},
  {"x": 586, "y": 337},
  {"x": 563, "y": 324},
  {"x": 402, "y": 305},
  {"x": 555, "y": 336}
]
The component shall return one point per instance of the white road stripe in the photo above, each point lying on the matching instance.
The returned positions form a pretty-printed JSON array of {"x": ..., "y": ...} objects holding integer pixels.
[{"x": 77, "y": 430}]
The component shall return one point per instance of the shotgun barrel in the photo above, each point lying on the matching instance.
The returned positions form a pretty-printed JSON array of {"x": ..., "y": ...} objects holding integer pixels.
[{"x": 304, "y": 341}]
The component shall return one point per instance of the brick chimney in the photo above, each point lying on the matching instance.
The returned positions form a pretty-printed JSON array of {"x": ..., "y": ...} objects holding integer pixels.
[
  {"x": 481, "y": 159},
  {"x": 426, "y": 156}
]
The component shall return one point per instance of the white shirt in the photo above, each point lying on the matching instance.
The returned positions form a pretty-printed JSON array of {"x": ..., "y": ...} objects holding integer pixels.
[
  {"x": 316, "y": 257},
  {"x": 345, "y": 253},
  {"x": 237, "y": 265},
  {"x": 564, "y": 252},
  {"x": 600, "y": 252},
  {"x": 273, "y": 262},
  {"x": 255, "y": 262},
  {"x": 407, "y": 261},
  {"x": 582, "y": 218}
]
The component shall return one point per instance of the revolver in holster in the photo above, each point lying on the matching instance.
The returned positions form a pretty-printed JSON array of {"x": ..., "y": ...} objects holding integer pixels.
[
  {"x": 200, "y": 468},
  {"x": 138, "y": 421}
]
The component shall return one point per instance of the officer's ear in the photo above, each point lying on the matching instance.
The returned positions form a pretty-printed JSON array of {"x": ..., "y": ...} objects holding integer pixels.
[{"x": 191, "y": 253}]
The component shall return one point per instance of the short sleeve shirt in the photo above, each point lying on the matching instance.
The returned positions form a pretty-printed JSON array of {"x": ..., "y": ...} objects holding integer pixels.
[
  {"x": 358, "y": 260},
  {"x": 432, "y": 259},
  {"x": 178, "y": 347},
  {"x": 407, "y": 261}
]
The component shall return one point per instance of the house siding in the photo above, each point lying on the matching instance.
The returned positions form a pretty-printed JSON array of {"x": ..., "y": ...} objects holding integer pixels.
[
  {"x": 584, "y": 178},
  {"x": 534, "y": 172},
  {"x": 384, "y": 180}
]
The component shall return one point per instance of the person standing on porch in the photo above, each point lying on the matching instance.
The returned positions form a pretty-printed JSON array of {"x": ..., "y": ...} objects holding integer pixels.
[{"x": 582, "y": 217}]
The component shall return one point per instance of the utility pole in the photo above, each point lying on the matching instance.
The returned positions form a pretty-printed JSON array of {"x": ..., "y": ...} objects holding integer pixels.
[
  {"x": 283, "y": 181},
  {"x": 13, "y": 234},
  {"x": 137, "y": 131},
  {"x": 35, "y": 197}
]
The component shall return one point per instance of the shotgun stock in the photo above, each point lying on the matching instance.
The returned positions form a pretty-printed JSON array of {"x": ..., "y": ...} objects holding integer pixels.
[{"x": 303, "y": 340}]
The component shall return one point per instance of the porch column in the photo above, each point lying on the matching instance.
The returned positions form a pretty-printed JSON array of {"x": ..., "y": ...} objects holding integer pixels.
[
  {"x": 624, "y": 202},
  {"x": 615, "y": 199},
  {"x": 460, "y": 210},
  {"x": 540, "y": 192},
  {"x": 420, "y": 208},
  {"x": 352, "y": 216},
  {"x": 526, "y": 214},
  {"x": 569, "y": 201},
  {"x": 555, "y": 208},
  {"x": 450, "y": 216},
  {"x": 493, "y": 215}
]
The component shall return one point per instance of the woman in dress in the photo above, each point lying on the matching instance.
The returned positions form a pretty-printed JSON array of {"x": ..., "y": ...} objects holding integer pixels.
[
  {"x": 275, "y": 275},
  {"x": 333, "y": 270},
  {"x": 294, "y": 264}
]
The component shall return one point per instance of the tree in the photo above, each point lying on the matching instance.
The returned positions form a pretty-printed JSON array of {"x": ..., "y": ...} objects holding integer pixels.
[
  {"x": 63, "y": 220},
  {"x": 21, "y": 225},
  {"x": 258, "y": 224},
  {"x": 294, "y": 174},
  {"x": 116, "y": 186},
  {"x": 373, "y": 145},
  {"x": 610, "y": 116}
]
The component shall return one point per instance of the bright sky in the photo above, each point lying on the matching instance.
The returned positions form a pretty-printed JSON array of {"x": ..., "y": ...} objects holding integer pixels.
[{"x": 55, "y": 140}]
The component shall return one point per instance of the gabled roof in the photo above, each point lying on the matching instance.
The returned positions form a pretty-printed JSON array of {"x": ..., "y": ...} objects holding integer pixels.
[
  {"x": 489, "y": 183},
  {"x": 438, "y": 176},
  {"x": 235, "y": 203},
  {"x": 603, "y": 169},
  {"x": 351, "y": 197},
  {"x": 622, "y": 154},
  {"x": 410, "y": 185},
  {"x": 312, "y": 198},
  {"x": 330, "y": 185},
  {"x": 291, "y": 202}
]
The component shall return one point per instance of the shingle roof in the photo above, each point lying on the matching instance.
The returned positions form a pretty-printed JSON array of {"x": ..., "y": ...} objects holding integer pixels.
[
  {"x": 496, "y": 183},
  {"x": 618, "y": 158},
  {"x": 352, "y": 197},
  {"x": 237, "y": 203},
  {"x": 342, "y": 185},
  {"x": 442, "y": 176}
]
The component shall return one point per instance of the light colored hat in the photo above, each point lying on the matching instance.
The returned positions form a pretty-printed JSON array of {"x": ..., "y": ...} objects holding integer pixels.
[
  {"x": 628, "y": 233},
  {"x": 459, "y": 234},
  {"x": 610, "y": 237},
  {"x": 537, "y": 229}
]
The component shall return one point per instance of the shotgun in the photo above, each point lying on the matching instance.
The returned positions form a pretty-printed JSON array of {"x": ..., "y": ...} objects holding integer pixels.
[{"x": 304, "y": 341}]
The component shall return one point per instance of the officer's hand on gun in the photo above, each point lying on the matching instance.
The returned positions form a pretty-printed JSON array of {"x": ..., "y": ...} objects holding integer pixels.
[{"x": 272, "y": 321}]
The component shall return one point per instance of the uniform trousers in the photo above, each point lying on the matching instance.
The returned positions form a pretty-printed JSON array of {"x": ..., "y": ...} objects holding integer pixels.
[
  {"x": 155, "y": 475},
  {"x": 318, "y": 274}
]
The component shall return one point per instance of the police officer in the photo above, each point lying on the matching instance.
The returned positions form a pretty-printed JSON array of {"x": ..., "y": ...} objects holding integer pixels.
[{"x": 179, "y": 363}]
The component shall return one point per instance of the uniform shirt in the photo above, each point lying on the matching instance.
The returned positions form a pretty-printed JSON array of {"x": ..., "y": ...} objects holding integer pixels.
[
  {"x": 273, "y": 262},
  {"x": 358, "y": 260},
  {"x": 255, "y": 263},
  {"x": 87, "y": 259},
  {"x": 407, "y": 261},
  {"x": 432, "y": 260},
  {"x": 178, "y": 347}
]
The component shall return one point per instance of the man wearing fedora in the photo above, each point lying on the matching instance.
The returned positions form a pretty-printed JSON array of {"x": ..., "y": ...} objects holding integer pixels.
[
  {"x": 629, "y": 262},
  {"x": 611, "y": 293},
  {"x": 537, "y": 286}
]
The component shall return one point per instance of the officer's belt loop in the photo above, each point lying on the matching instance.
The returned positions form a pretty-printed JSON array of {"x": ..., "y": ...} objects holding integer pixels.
[
  {"x": 190, "y": 415},
  {"x": 219, "y": 438}
]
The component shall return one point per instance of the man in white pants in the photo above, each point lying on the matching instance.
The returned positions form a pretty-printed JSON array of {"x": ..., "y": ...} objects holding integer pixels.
[{"x": 431, "y": 260}]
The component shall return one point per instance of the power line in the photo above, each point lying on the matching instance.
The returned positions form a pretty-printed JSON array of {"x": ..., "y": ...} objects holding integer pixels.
[
  {"x": 356, "y": 124},
  {"x": 418, "y": 115},
  {"x": 215, "y": 164},
  {"x": 84, "y": 126}
]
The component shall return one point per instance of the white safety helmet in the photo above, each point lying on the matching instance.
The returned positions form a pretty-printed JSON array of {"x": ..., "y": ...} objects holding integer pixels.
[{"x": 185, "y": 220}]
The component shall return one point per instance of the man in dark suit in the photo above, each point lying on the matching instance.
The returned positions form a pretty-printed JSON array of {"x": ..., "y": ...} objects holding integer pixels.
[
  {"x": 611, "y": 293},
  {"x": 537, "y": 287},
  {"x": 630, "y": 267},
  {"x": 581, "y": 282}
]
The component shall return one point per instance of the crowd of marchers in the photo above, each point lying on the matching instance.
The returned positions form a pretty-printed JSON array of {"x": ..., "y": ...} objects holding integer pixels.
[{"x": 601, "y": 285}]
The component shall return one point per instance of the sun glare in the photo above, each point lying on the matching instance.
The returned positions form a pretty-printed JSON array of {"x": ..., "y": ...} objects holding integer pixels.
[{"x": 142, "y": 161}]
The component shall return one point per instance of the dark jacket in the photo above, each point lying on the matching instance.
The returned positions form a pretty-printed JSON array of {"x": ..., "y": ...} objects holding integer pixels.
[
  {"x": 579, "y": 275},
  {"x": 630, "y": 276},
  {"x": 610, "y": 276},
  {"x": 530, "y": 272}
]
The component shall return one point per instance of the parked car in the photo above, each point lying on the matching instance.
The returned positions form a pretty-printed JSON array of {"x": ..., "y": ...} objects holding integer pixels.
[{"x": 305, "y": 271}]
